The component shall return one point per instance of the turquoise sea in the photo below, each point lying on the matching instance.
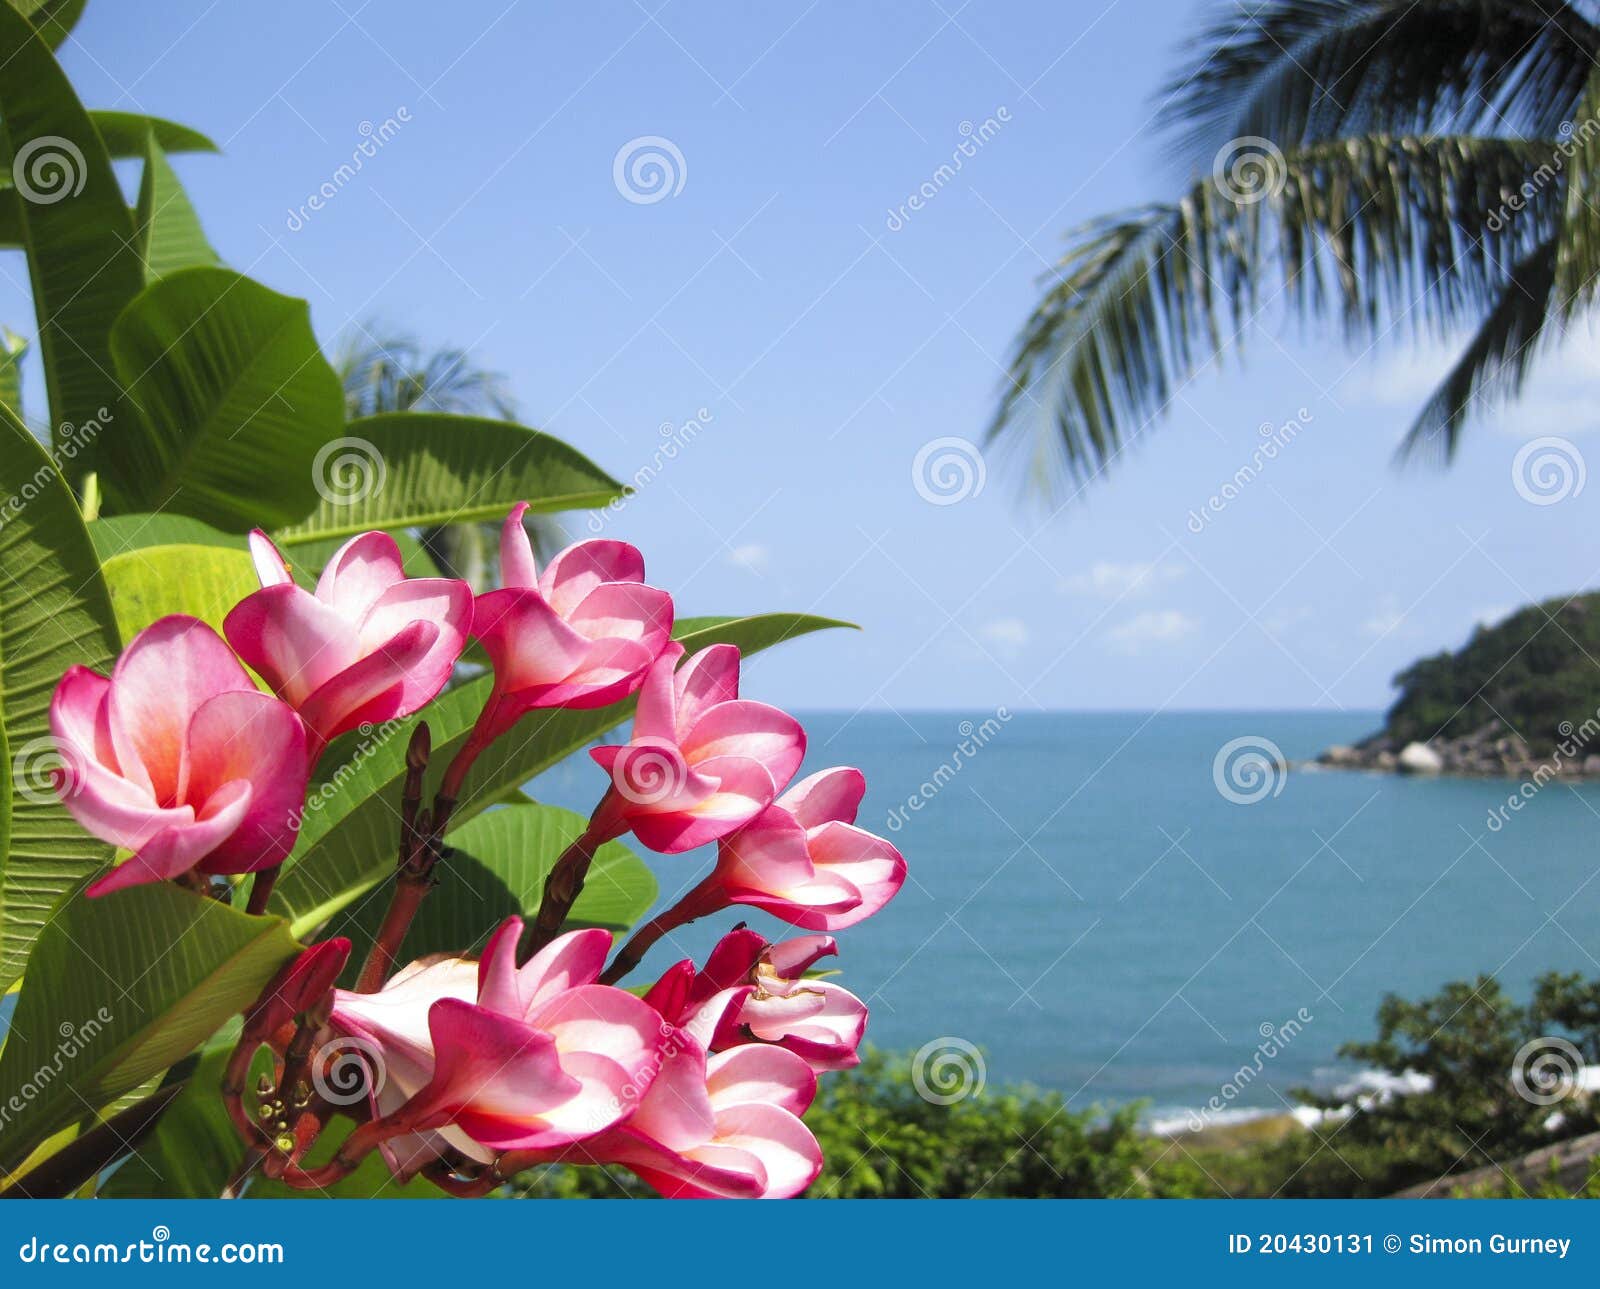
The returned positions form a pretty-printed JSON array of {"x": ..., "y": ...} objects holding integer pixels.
[{"x": 1092, "y": 912}]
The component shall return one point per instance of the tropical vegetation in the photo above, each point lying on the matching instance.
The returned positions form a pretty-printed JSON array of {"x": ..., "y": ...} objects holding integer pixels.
[{"x": 197, "y": 466}]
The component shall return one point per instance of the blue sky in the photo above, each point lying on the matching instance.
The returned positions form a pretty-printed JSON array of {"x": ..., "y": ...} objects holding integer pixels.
[{"x": 824, "y": 348}]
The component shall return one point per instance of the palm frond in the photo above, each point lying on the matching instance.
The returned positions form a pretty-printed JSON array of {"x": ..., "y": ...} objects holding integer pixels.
[
  {"x": 1494, "y": 363},
  {"x": 1298, "y": 71},
  {"x": 1387, "y": 233},
  {"x": 386, "y": 372}
]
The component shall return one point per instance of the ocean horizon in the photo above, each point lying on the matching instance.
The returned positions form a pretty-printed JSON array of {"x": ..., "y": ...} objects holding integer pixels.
[{"x": 1139, "y": 907}]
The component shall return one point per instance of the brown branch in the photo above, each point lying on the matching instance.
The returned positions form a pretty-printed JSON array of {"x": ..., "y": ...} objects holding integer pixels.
[
  {"x": 94, "y": 1151},
  {"x": 261, "y": 890},
  {"x": 562, "y": 886},
  {"x": 703, "y": 899}
]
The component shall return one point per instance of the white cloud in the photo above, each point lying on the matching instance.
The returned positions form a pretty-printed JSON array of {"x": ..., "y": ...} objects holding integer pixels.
[
  {"x": 1558, "y": 397},
  {"x": 753, "y": 558},
  {"x": 1008, "y": 634},
  {"x": 1389, "y": 619},
  {"x": 1109, "y": 580},
  {"x": 1158, "y": 627}
]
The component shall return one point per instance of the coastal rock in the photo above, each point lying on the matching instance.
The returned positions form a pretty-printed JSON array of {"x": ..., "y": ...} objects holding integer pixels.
[{"x": 1419, "y": 758}]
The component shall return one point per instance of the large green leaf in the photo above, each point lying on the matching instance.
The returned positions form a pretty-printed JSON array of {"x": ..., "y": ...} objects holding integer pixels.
[
  {"x": 120, "y": 534},
  {"x": 54, "y": 612},
  {"x": 118, "y": 989},
  {"x": 170, "y": 236},
  {"x": 76, "y": 227},
  {"x": 117, "y": 534},
  {"x": 234, "y": 399},
  {"x": 194, "y": 1149},
  {"x": 496, "y": 868},
  {"x": 348, "y": 839},
  {"x": 201, "y": 581},
  {"x": 52, "y": 19},
  {"x": 424, "y": 468}
]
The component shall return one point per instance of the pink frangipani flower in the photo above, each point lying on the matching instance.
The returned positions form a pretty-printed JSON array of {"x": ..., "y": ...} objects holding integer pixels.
[
  {"x": 179, "y": 758},
  {"x": 819, "y": 1021},
  {"x": 725, "y": 1126},
  {"x": 804, "y": 860},
  {"x": 702, "y": 761},
  {"x": 751, "y": 990},
  {"x": 369, "y": 645},
  {"x": 582, "y": 634},
  {"x": 490, "y": 1057}
]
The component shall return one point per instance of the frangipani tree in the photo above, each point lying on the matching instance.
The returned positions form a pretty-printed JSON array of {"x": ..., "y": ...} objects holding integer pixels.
[{"x": 243, "y": 757}]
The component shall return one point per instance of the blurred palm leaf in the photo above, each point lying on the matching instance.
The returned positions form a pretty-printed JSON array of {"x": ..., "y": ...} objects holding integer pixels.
[
  {"x": 385, "y": 371},
  {"x": 1409, "y": 168}
]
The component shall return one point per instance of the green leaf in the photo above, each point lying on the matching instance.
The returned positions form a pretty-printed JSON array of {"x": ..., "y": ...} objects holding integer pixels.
[
  {"x": 497, "y": 868},
  {"x": 234, "y": 400},
  {"x": 348, "y": 838},
  {"x": 125, "y": 133},
  {"x": 117, "y": 534},
  {"x": 54, "y": 612},
  {"x": 403, "y": 469},
  {"x": 153, "y": 581},
  {"x": 142, "y": 977},
  {"x": 193, "y": 1150},
  {"x": 170, "y": 236},
  {"x": 12, "y": 348},
  {"x": 76, "y": 228},
  {"x": 52, "y": 19}
]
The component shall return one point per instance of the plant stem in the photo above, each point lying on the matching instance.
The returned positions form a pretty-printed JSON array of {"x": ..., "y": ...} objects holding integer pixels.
[
  {"x": 703, "y": 899},
  {"x": 261, "y": 890},
  {"x": 562, "y": 886},
  {"x": 413, "y": 869},
  {"x": 409, "y": 888}
]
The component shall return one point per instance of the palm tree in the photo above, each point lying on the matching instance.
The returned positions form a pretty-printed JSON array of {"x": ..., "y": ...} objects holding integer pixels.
[
  {"x": 1410, "y": 168},
  {"x": 383, "y": 371}
]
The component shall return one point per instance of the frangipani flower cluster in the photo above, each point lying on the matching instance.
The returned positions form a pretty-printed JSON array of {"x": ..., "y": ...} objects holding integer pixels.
[{"x": 469, "y": 1069}]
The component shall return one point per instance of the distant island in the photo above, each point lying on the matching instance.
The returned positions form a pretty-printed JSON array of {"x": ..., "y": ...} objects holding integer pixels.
[{"x": 1521, "y": 697}]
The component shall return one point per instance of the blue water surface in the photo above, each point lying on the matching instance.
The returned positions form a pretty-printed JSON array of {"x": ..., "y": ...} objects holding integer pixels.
[{"x": 1094, "y": 913}]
